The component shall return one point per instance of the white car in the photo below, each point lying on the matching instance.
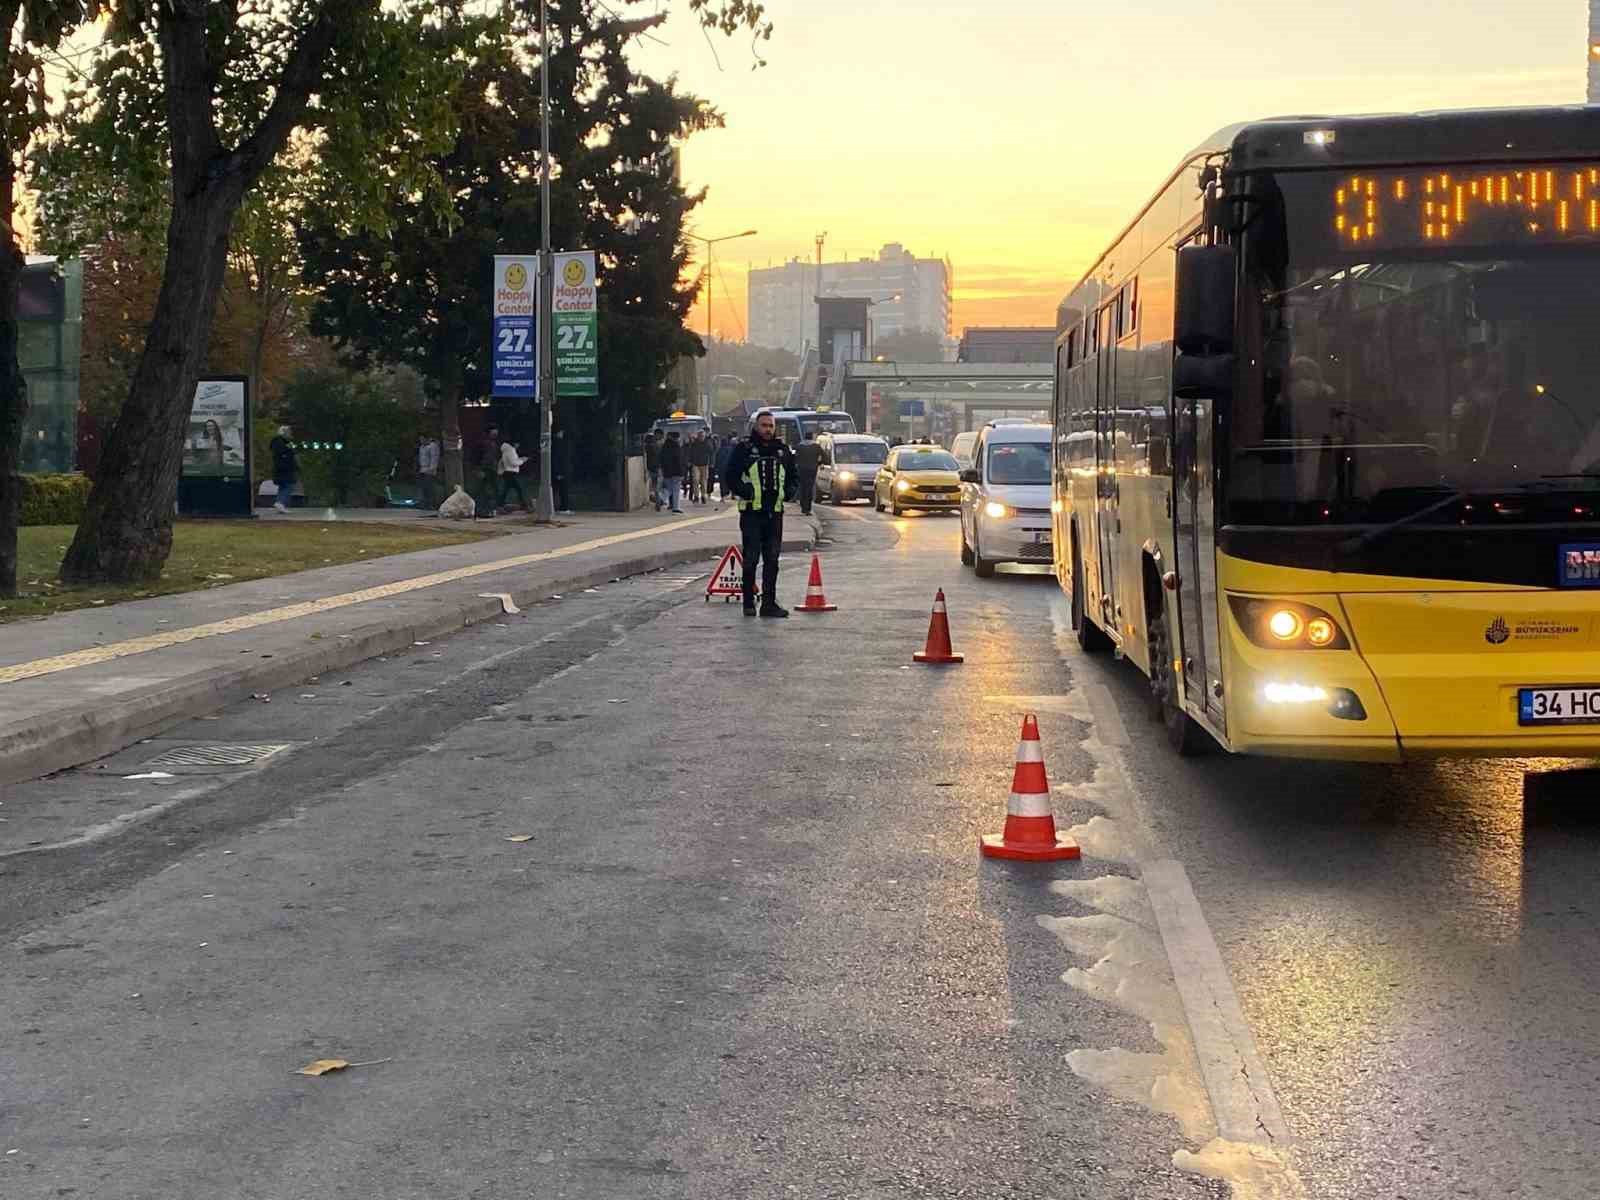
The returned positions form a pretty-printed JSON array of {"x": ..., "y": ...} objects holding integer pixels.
[{"x": 1005, "y": 498}]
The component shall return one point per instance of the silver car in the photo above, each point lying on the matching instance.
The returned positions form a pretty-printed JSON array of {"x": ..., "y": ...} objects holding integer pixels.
[{"x": 849, "y": 465}]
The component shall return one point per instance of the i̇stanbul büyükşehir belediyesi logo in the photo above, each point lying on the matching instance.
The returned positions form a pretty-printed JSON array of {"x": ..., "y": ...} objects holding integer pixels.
[
  {"x": 1498, "y": 632},
  {"x": 573, "y": 272},
  {"x": 516, "y": 277}
]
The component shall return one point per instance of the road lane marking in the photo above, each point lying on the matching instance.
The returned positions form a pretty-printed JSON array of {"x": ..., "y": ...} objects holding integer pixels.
[
  {"x": 1241, "y": 1094},
  {"x": 306, "y": 608},
  {"x": 1249, "y": 1147}
]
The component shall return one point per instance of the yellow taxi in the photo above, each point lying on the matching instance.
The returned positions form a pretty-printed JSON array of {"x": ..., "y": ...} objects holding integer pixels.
[{"x": 921, "y": 477}]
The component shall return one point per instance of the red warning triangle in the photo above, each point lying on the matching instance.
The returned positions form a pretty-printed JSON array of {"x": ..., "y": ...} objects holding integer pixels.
[{"x": 728, "y": 578}]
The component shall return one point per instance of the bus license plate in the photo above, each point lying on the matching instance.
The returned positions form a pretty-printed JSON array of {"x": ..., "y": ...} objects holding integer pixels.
[
  {"x": 1559, "y": 705},
  {"x": 1041, "y": 537}
]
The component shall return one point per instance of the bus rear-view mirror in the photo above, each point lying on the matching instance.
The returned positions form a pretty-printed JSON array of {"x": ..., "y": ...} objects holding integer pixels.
[
  {"x": 1204, "y": 319},
  {"x": 1202, "y": 376}
]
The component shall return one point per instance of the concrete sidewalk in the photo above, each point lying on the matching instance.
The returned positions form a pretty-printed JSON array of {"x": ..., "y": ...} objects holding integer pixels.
[{"x": 84, "y": 684}]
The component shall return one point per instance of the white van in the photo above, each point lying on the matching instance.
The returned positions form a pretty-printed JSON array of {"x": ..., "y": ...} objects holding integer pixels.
[
  {"x": 962, "y": 447},
  {"x": 1005, "y": 498}
]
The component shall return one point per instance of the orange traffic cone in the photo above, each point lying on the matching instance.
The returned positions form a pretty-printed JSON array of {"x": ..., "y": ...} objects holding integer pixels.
[
  {"x": 815, "y": 601},
  {"x": 937, "y": 648},
  {"x": 1030, "y": 832}
]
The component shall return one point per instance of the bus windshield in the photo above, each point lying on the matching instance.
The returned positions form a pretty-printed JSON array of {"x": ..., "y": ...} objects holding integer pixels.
[{"x": 1428, "y": 359}]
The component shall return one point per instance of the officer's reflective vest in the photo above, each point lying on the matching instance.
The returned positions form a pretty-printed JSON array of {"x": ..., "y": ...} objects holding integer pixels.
[{"x": 765, "y": 474}]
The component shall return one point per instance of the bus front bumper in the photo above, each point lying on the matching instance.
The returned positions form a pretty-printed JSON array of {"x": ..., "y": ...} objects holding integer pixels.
[{"x": 1427, "y": 674}]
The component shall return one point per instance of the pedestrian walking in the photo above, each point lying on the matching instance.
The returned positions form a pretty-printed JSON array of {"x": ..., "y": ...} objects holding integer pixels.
[
  {"x": 427, "y": 472},
  {"x": 761, "y": 472},
  {"x": 806, "y": 461},
  {"x": 285, "y": 467},
  {"x": 486, "y": 462},
  {"x": 700, "y": 467},
  {"x": 724, "y": 454},
  {"x": 673, "y": 465},
  {"x": 560, "y": 470},
  {"x": 652, "y": 466},
  {"x": 511, "y": 463}
]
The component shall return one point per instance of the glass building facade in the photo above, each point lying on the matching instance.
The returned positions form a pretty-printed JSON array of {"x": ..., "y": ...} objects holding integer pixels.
[{"x": 49, "y": 348}]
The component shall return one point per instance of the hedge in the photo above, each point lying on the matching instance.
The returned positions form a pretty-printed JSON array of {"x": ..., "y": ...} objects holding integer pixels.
[{"x": 54, "y": 499}]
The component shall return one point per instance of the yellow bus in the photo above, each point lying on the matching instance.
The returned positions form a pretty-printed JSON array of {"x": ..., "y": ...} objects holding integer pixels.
[{"x": 1327, "y": 438}]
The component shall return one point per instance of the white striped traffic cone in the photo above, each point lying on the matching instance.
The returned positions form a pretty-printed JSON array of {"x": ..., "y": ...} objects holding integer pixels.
[
  {"x": 1030, "y": 830},
  {"x": 815, "y": 601}
]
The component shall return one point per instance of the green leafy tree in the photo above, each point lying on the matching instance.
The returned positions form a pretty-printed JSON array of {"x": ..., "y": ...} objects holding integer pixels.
[
  {"x": 354, "y": 82},
  {"x": 366, "y": 86},
  {"x": 420, "y": 294},
  {"x": 352, "y": 430}
]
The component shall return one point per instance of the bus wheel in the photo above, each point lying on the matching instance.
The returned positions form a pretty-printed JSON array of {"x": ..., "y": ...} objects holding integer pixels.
[
  {"x": 1183, "y": 735},
  {"x": 1090, "y": 636}
]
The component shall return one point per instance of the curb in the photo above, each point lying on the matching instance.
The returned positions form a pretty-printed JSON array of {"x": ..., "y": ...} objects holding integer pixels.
[{"x": 57, "y": 741}]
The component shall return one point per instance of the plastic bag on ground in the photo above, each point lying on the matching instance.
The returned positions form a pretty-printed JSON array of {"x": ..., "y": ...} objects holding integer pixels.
[{"x": 459, "y": 506}]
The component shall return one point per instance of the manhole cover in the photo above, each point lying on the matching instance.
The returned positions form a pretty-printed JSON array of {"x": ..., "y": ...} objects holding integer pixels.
[{"x": 214, "y": 754}]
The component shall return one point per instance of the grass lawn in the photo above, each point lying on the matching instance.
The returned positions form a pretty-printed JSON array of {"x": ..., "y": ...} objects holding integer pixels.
[{"x": 207, "y": 554}]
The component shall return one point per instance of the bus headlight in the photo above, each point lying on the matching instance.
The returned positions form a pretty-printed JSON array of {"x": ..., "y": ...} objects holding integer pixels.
[
  {"x": 995, "y": 510},
  {"x": 1287, "y": 625},
  {"x": 902, "y": 485},
  {"x": 846, "y": 476}
]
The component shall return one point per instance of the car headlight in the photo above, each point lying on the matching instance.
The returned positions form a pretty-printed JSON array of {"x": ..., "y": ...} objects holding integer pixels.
[
  {"x": 996, "y": 510},
  {"x": 1287, "y": 625},
  {"x": 845, "y": 476},
  {"x": 902, "y": 486}
]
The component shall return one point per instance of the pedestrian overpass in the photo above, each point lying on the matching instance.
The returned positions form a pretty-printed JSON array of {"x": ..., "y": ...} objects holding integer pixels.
[{"x": 954, "y": 396}]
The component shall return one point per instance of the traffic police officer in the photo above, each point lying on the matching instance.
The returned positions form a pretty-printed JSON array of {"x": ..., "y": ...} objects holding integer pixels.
[{"x": 761, "y": 473}]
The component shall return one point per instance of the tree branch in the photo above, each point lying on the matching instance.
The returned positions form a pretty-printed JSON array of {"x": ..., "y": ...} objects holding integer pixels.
[{"x": 305, "y": 69}]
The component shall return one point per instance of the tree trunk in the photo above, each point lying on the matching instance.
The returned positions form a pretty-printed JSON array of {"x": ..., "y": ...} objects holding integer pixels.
[
  {"x": 126, "y": 533},
  {"x": 450, "y": 444},
  {"x": 13, "y": 398}
]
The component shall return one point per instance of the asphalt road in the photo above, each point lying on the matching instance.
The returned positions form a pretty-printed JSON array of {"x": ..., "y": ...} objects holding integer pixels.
[{"x": 748, "y": 948}]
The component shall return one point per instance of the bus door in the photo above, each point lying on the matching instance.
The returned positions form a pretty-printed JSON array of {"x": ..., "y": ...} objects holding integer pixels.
[
  {"x": 1106, "y": 492},
  {"x": 1188, "y": 416},
  {"x": 1194, "y": 539}
]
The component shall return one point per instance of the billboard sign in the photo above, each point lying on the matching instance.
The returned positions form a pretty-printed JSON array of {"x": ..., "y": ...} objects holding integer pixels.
[
  {"x": 516, "y": 340},
  {"x": 575, "y": 325},
  {"x": 214, "y": 479}
]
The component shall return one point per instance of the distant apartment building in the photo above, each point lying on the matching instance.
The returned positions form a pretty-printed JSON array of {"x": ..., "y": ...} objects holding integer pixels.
[{"x": 909, "y": 293}]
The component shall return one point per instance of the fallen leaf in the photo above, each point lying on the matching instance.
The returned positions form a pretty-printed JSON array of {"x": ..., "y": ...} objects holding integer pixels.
[
  {"x": 520, "y": 837},
  {"x": 322, "y": 1066},
  {"x": 326, "y": 1066}
]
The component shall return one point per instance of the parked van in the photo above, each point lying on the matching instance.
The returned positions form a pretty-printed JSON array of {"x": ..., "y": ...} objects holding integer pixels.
[{"x": 849, "y": 465}]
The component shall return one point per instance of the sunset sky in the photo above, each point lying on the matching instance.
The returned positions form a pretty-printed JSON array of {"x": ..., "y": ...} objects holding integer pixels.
[{"x": 1018, "y": 136}]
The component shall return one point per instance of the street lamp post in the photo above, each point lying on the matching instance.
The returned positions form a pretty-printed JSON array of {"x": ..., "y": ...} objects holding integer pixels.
[
  {"x": 545, "y": 506},
  {"x": 705, "y": 407}
]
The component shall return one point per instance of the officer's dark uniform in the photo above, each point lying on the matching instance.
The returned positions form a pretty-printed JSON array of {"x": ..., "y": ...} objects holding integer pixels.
[{"x": 763, "y": 476}]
